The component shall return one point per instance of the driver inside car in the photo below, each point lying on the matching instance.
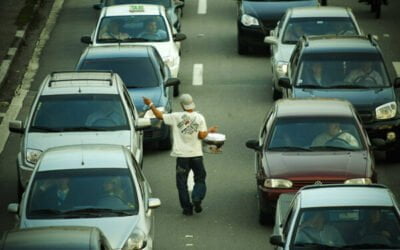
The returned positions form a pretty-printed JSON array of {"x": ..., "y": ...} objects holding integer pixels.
[
  {"x": 334, "y": 132},
  {"x": 106, "y": 115},
  {"x": 364, "y": 74}
]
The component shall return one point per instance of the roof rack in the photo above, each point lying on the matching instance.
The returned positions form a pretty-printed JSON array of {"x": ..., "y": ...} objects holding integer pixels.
[
  {"x": 52, "y": 74},
  {"x": 343, "y": 185}
]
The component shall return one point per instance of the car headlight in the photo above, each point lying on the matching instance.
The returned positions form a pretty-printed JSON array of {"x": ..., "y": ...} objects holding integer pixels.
[
  {"x": 32, "y": 155},
  {"x": 248, "y": 20},
  {"x": 137, "y": 240},
  {"x": 277, "y": 183},
  {"x": 386, "y": 111},
  {"x": 281, "y": 68},
  {"x": 358, "y": 181},
  {"x": 150, "y": 114}
]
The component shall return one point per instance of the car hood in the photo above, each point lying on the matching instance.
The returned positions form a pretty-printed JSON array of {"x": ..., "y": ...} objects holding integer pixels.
[
  {"x": 272, "y": 10},
  {"x": 43, "y": 141},
  {"x": 362, "y": 99},
  {"x": 343, "y": 164},
  {"x": 284, "y": 52},
  {"x": 155, "y": 94},
  {"x": 115, "y": 229}
]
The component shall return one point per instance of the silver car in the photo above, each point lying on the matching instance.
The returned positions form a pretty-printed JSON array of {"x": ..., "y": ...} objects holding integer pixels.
[
  {"x": 78, "y": 108},
  {"x": 310, "y": 21},
  {"x": 91, "y": 185}
]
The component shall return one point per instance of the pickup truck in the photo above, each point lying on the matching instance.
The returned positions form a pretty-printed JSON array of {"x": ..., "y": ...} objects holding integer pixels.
[{"x": 337, "y": 216}]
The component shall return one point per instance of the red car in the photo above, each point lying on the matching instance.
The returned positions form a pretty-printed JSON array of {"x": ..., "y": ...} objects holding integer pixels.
[{"x": 309, "y": 141}]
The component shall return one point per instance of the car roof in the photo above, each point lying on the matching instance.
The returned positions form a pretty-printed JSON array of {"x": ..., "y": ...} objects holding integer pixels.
[
  {"x": 115, "y": 51},
  {"x": 333, "y": 44},
  {"x": 345, "y": 195},
  {"x": 313, "y": 107},
  {"x": 83, "y": 156},
  {"x": 62, "y": 237},
  {"x": 133, "y": 9},
  {"x": 75, "y": 82},
  {"x": 319, "y": 11}
]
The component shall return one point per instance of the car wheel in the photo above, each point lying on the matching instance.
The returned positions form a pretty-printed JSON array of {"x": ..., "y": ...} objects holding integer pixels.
[
  {"x": 276, "y": 94},
  {"x": 20, "y": 188},
  {"x": 242, "y": 48},
  {"x": 266, "y": 212},
  {"x": 166, "y": 144},
  {"x": 392, "y": 155},
  {"x": 176, "y": 91}
]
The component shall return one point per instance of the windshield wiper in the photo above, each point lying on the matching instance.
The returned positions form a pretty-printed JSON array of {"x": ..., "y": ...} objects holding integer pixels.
[
  {"x": 135, "y": 39},
  {"x": 316, "y": 246},
  {"x": 97, "y": 212},
  {"x": 45, "y": 129},
  {"x": 334, "y": 148},
  {"x": 109, "y": 40},
  {"x": 289, "y": 148},
  {"x": 347, "y": 86},
  {"x": 369, "y": 246},
  {"x": 46, "y": 212},
  {"x": 85, "y": 129},
  {"x": 310, "y": 86}
]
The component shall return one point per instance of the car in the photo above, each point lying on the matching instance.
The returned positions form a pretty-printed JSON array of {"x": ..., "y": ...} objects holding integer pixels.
[
  {"x": 57, "y": 237},
  {"x": 256, "y": 18},
  {"x": 75, "y": 108},
  {"x": 337, "y": 217},
  {"x": 138, "y": 24},
  {"x": 350, "y": 68},
  {"x": 91, "y": 185},
  {"x": 173, "y": 8},
  {"x": 144, "y": 74},
  {"x": 306, "y": 141},
  {"x": 309, "y": 21}
]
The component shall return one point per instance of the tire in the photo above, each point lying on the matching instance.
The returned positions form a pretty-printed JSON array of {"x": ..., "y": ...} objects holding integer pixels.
[
  {"x": 378, "y": 9},
  {"x": 392, "y": 155},
  {"x": 176, "y": 91},
  {"x": 276, "y": 94},
  {"x": 166, "y": 144},
  {"x": 266, "y": 212},
  {"x": 20, "y": 188},
  {"x": 242, "y": 48}
]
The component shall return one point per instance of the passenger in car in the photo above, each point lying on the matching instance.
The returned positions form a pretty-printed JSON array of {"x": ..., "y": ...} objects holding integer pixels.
[
  {"x": 364, "y": 75},
  {"x": 332, "y": 133},
  {"x": 314, "y": 74},
  {"x": 112, "y": 30},
  {"x": 153, "y": 32},
  {"x": 375, "y": 229}
]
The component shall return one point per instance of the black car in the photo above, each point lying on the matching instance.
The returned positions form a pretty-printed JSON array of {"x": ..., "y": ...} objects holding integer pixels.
[
  {"x": 351, "y": 68},
  {"x": 256, "y": 18},
  {"x": 144, "y": 74}
]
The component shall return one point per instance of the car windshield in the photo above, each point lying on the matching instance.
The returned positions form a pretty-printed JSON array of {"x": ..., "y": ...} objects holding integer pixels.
[
  {"x": 316, "y": 26},
  {"x": 131, "y": 29},
  {"x": 79, "y": 112},
  {"x": 347, "y": 228},
  {"x": 165, "y": 3},
  {"x": 136, "y": 72},
  {"x": 350, "y": 70},
  {"x": 102, "y": 192},
  {"x": 315, "y": 134}
]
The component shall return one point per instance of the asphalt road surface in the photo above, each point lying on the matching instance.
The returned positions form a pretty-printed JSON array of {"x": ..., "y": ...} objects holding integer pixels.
[{"x": 232, "y": 91}]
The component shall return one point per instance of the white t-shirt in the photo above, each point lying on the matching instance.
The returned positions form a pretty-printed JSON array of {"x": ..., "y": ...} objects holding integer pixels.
[{"x": 185, "y": 129}]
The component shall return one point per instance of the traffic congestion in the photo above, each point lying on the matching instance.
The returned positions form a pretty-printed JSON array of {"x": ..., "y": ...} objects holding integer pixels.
[{"x": 114, "y": 133}]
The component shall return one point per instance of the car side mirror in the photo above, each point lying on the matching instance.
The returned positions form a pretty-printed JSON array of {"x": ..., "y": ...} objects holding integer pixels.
[
  {"x": 143, "y": 123},
  {"x": 172, "y": 82},
  {"x": 271, "y": 40},
  {"x": 98, "y": 6},
  {"x": 179, "y": 37},
  {"x": 13, "y": 208},
  {"x": 277, "y": 240},
  {"x": 16, "y": 127},
  {"x": 284, "y": 82},
  {"x": 154, "y": 203},
  {"x": 396, "y": 82},
  {"x": 179, "y": 4},
  {"x": 378, "y": 142},
  {"x": 86, "y": 39},
  {"x": 253, "y": 144}
]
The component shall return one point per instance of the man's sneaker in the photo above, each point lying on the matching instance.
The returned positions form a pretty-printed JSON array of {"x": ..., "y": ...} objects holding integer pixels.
[
  {"x": 197, "y": 206},
  {"x": 187, "y": 212}
]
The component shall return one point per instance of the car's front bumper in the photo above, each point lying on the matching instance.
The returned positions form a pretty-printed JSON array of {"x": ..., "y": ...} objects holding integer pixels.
[
  {"x": 156, "y": 133},
  {"x": 252, "y": 36},
  {"x": 384, "y": 130}
]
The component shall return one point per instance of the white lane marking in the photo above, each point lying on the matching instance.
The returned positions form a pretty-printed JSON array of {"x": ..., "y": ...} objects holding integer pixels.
[
  {"x": 396, "y": 66},
  {"x": 23, "y": 89},
  {"x": 386, "y": 35},
  {"x": 198, "y": 74},
  {"x": 202, "y": 7},
  {"x": 5, "y": 64},
  {"x": 20, "y": 33},
  {"x": 190, "y": 181},
  {"x": 11, "y": 51}
]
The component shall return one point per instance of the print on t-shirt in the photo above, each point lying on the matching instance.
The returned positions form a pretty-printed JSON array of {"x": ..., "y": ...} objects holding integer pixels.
[{"x": 187, "y": 126}]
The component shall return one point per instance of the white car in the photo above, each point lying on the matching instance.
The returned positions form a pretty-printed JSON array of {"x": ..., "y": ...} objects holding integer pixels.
[
  {"x": 310, "y": 21},
  {"x": 94, "y": 186},
  {"x": 143, "y": 24}
]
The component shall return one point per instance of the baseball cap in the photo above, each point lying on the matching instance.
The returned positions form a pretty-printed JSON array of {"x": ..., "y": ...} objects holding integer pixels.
[{"x": 187, "y": 101}]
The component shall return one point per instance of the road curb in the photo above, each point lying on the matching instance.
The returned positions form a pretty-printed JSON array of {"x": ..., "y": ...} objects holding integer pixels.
[{"x": 15, "y": 46}]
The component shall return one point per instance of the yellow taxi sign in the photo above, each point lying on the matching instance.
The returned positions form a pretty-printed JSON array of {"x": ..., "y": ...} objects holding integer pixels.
[{"x": 136, "y": 8}]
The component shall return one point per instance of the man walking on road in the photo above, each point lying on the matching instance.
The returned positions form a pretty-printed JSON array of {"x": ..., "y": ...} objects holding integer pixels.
[{"x": 188, "y": 129}]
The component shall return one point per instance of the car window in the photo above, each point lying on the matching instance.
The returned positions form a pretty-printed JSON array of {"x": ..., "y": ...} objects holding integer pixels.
[
  {"x": 83, "y": 112},
  {"x": 134, "y": 28},
  {"x": 60, "y": 194},
  {"x": 136, "y": 72},
  {"x": 297, "y": 27},
  {"x": 351, "y": 226},
  {"x": 315, "y": 134},
  {"x": 342, "y": 71}
]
